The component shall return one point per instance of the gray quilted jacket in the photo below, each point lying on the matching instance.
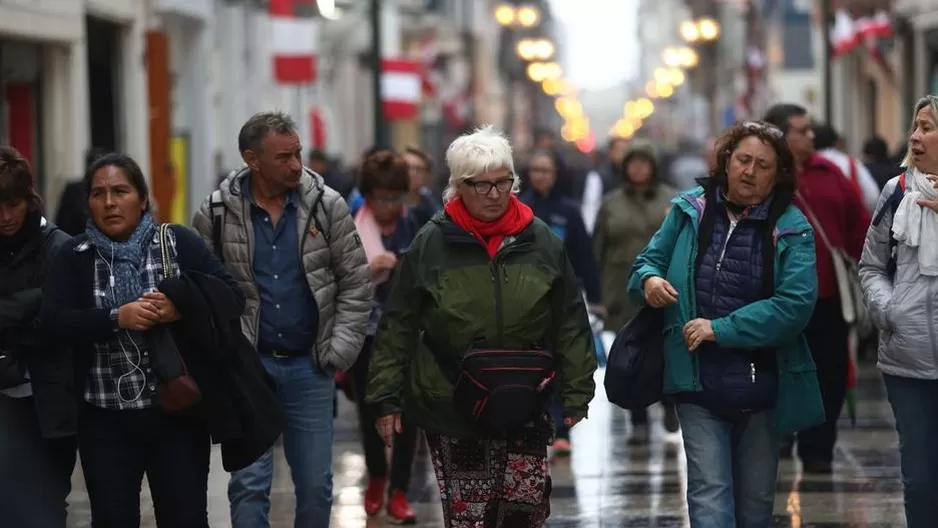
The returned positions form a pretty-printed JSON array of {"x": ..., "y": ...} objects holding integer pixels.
[
  {"x": 335, "y": 264},
  {"x": 905, "y": 309}
]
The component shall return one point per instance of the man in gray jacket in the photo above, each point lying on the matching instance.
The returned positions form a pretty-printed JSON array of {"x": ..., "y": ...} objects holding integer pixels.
[{"x": 291, "y": 244}]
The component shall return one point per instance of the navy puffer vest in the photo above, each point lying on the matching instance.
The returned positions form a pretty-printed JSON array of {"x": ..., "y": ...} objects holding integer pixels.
[{"x": 731, "y": 275}]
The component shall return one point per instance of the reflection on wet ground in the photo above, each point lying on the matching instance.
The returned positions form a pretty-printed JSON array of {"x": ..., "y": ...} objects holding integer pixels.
[{"x": 610, "y": 484}]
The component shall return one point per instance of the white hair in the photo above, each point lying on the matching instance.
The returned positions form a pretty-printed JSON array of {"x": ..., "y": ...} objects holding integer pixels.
[
  {"x": 484, "y": 150},
  {"x": 929, "y": 101}
]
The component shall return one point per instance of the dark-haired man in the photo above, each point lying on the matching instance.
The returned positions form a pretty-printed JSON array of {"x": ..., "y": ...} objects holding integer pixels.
[
  {"x": 832, "y": 205},
  {"x": 829, "y": 145},
  {"x": 289, "y": 241},
  {"x": 71, "y": 216}
]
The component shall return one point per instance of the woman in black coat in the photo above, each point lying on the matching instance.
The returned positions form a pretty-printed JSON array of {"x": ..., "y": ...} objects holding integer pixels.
[
  {"x": 38, "y": 420},
  {"x": 102, "y": 296}
]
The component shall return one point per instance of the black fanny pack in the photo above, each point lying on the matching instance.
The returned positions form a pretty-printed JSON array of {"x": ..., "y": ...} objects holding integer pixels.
[{"x": 502, "y": 390}]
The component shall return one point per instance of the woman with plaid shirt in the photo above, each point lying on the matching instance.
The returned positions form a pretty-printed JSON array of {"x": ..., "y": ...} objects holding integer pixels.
[{"x": 101, "y": 295}]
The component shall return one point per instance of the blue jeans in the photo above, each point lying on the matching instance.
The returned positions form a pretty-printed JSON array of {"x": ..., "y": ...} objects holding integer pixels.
[
  {"x": 306, "y": 394},
  {"x": 913, "y": 404},
  {"x": 732, "y": 468}
]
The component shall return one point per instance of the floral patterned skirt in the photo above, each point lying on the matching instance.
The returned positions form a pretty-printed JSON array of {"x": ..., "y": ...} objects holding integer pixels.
[{"x": 493, "y": 483}]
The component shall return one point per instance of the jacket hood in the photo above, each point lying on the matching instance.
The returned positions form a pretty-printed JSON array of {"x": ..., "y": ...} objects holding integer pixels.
[{"x": 643, "y": 149}]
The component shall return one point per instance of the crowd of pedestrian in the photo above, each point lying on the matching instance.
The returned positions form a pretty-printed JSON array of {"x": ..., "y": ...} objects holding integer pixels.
[{"x": 459, "y": 319}]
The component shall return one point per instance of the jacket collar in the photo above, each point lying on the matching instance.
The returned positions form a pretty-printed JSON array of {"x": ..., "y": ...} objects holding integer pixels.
[
  {"x": 311, "y": 186},
  {"x": 693, "y": 202}
]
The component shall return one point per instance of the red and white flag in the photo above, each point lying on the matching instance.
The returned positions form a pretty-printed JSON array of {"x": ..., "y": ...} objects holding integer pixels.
[
  {"x": 294, "y": 40},
  {"x": 401, "y": 88},
  {"x": 843, "y": 34}
]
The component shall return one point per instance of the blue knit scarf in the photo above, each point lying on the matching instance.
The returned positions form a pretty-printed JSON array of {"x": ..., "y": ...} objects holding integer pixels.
[{"x": 125, "y": 259}]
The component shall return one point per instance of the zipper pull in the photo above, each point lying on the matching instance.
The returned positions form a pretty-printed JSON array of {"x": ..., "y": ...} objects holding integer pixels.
[
  {"x": 505, "y": 273},
  {"x": 752, "y": 372}
]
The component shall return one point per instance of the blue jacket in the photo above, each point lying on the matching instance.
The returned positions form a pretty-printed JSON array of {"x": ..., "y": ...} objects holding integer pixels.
[
  {"x": 776, "y": 322},
  {"x": 564, "y": 218}
]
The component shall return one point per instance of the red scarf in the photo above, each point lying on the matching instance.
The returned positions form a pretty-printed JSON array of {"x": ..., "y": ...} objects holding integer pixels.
[{"x": 517, "y": 217}]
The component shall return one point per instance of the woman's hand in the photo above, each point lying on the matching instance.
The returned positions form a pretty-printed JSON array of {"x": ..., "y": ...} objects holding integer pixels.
[
  {"x": 139, "y": 315},
  {"x": 698, "y": 331},
  {"x": 165, "y": 308},
  {"x": 383, "y": 262},
  {"x": 387, "y": 426},
  {"x": 659, "y": 292},
  {"x": 931, "y": 204}
]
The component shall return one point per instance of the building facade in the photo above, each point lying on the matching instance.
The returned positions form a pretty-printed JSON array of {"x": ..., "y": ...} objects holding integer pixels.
[{"x": 72, "y": 76}]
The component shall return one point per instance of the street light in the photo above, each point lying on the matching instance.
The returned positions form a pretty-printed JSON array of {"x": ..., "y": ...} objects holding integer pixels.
[
  {"x": 644, "y": 107},
  {"x": 505, "y": 14},
  {"x": 528, "y": 16},
  {"x": 542, "y": 71},
  {"x": 675, "y": 77},
  {"x": 682, "y": 57},
  {"x": 689, "y": 31},
  {"x": 535, "y": 49},
  {"x": 709, "y": 29},
  {"x": 568, "y": 108},
  {"x": 705, "y": 29}
]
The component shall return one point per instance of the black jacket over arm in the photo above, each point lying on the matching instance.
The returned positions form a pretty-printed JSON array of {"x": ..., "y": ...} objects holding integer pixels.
[{"x": 239, "y": 400}]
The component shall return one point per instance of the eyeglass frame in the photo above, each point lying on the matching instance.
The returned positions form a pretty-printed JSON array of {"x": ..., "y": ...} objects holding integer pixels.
[{"x": 491, "y": 185}]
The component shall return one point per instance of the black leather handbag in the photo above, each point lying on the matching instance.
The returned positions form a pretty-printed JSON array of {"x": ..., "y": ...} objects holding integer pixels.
[{"x": 502, "y": 390}]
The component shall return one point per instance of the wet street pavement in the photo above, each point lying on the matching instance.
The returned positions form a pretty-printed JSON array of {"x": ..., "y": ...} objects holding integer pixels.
[{"x": 609, "y": 484}]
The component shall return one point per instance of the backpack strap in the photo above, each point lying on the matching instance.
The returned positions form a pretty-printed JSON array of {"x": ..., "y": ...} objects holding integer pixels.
[
  {"x": 891, "y": 205},
  {"x": 218, "y": 222}
]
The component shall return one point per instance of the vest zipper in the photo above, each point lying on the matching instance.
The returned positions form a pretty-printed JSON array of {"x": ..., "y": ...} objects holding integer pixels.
[{"x": 726, "y": 242}]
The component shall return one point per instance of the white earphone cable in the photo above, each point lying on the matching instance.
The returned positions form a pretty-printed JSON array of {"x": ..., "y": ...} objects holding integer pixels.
[{"x": 134, "y": 364}]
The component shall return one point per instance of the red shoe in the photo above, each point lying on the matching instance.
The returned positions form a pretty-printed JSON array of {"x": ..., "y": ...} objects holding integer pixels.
[
  {"x": 398, "y": 509},
  {"x": 374, "y": 496},
  {"x": 562, "y": 448}
]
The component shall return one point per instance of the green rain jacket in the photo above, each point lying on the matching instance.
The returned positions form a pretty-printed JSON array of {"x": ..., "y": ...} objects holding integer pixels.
[
  {"x": 776, "y": 322},
  {"x": 447, "y": 297}
]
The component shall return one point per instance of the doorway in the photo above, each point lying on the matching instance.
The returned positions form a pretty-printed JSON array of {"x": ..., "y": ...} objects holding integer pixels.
[{"x": 103, "y": 85}]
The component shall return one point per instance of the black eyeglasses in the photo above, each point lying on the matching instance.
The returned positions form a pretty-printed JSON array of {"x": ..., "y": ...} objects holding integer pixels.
[
  {"x": 758, "y": 126},
  {"x": 485, "y": 187}
]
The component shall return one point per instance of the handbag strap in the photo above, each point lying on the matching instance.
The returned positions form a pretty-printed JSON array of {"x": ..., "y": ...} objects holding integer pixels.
[
  {"x": 165, "y": 254},
  {"x": 814, "y": 221}
]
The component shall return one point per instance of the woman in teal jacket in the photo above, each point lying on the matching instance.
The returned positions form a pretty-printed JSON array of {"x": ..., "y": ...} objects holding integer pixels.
[{"x": 733, "y": 268}]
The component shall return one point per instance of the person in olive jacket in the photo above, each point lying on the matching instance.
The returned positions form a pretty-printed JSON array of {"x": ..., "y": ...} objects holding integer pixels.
[{"x": 483, "y": 277}]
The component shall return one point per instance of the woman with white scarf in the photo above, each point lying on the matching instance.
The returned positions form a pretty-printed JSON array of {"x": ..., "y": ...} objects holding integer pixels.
[{"x": 901, "y": 291}]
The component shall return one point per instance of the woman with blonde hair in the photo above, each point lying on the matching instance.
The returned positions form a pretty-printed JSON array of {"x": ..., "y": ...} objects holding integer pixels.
[
  {"x": 484, "y": 321},
  {"x": 899, "y": 273}
]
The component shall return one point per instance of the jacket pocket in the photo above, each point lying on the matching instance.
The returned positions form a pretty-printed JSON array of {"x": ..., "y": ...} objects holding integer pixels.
[
  {"x": 909, "y": 345},
  {"x": 799, "y": 405},
  {"x": 680, "y": 372}
]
